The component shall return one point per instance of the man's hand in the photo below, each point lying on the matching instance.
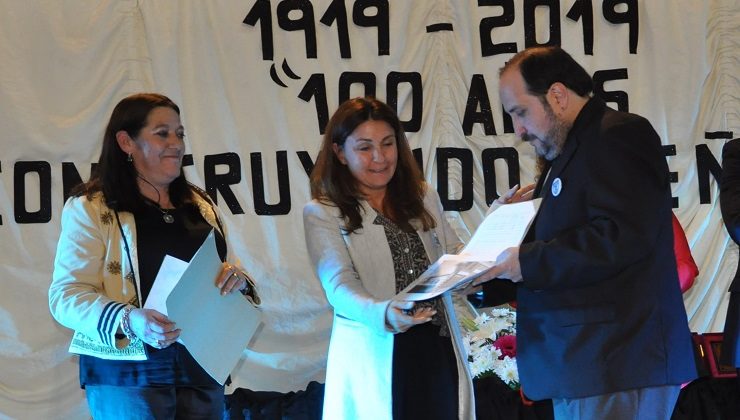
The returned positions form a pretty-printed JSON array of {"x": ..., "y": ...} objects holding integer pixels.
[
  {"x": 517, "y": 195},
  {"x": 514, "y": 195},
  {"x": 507, "y": 267}
]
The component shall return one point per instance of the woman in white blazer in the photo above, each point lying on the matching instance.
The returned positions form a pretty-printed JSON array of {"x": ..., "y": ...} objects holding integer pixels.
[
  {"x": 372, "y": 227},
  {"x": 117, "y": 228}
]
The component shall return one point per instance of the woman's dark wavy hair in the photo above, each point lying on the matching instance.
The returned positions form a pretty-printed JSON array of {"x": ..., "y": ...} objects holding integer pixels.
[
  {"x": 540, "y": 67},
  {"x": 115, "y": 176},
  {"x": 334, "y": 184}
]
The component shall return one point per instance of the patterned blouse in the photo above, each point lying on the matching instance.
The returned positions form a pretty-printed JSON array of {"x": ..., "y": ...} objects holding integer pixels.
[{"x": 409, "y": 261}]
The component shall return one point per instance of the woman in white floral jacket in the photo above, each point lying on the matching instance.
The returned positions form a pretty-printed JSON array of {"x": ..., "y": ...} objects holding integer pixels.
[{"x": 116, "y": 230}]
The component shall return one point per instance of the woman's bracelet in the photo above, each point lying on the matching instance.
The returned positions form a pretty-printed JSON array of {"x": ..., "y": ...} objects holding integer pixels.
[{"x": 126, "y": 324}]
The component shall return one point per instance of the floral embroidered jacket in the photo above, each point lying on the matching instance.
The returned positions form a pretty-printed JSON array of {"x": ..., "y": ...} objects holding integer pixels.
[{"x": 93, "y": 280}]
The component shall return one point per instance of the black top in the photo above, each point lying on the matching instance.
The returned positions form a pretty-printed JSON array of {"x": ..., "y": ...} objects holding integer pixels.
[
  {"x": 424, "y": 380},
  {"x": 180, "y": 239}
]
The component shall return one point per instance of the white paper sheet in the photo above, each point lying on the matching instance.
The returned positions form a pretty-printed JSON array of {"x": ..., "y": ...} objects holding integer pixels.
[
  {"x": 504, "y": 228},
  {"x": 215, "y": 329},
  {"x": 167, "y": 277}
]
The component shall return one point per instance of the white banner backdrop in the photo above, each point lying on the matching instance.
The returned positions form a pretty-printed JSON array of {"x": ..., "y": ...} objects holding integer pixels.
[{"x": 256, "y": 80}]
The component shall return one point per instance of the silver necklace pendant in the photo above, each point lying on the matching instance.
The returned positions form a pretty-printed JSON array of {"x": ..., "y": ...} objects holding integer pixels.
[{"x": 168, "y": 218}]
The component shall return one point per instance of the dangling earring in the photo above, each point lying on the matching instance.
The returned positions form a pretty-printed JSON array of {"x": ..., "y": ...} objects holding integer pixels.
[{"x": 130, "y": 157}]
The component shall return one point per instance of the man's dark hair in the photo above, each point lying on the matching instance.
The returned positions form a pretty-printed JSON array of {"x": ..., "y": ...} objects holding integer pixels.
[{"x": 540, "y": 67}]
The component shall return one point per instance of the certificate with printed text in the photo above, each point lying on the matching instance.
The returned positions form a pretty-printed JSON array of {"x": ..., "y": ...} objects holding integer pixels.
[{"x": 502, "y": 229}]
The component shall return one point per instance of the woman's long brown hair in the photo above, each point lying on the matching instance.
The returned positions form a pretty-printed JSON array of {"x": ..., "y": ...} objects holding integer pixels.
[{"x": 332, "y": 182}]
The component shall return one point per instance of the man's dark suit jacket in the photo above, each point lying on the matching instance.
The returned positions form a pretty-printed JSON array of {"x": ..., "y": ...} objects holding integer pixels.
[
  {"x": 729, "y": 197},
  {"x": 599, "y": 309},
  {"x": 729, "y": 200}
]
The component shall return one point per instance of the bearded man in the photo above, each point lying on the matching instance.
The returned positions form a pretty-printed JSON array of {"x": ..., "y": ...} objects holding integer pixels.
[{"x": 601, "y": 325}]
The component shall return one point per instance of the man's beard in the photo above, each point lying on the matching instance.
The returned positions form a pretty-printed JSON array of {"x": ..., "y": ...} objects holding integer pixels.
[{"x": 554, "y": 139}]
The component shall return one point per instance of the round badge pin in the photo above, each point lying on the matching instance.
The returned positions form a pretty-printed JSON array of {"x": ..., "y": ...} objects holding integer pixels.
[{"x": 557, "y": 186}]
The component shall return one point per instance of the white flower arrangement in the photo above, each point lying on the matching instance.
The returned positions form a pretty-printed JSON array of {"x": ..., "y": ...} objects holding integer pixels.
[{"x": 490, "y": 342}]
